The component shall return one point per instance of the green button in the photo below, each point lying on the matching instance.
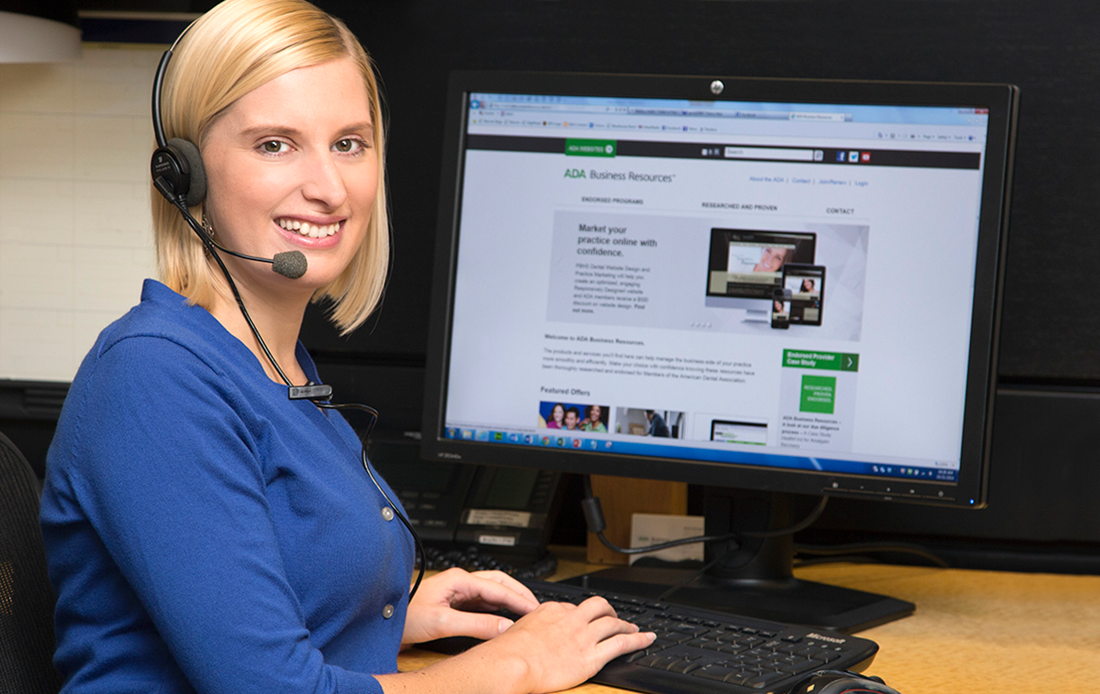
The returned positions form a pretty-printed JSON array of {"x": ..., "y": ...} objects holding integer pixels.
[
  {"x": 590, "y": 148},
  {"x": 818, "y": 394},
  {"x": 828, "y": 361}
]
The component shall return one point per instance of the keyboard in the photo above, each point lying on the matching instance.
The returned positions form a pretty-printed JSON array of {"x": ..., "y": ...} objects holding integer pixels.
[
  {"x": 706, "y": 652},
  {"x": 473, "y": 559}
]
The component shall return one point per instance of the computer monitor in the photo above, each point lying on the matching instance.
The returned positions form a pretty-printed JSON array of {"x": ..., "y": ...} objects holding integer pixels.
[
  {"x": 609, "y": 245},
  {"x": 746, "y": 266}
]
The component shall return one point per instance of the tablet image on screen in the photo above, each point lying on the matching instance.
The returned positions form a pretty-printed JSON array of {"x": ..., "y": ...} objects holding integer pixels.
[{"x": 806, "y": 283}]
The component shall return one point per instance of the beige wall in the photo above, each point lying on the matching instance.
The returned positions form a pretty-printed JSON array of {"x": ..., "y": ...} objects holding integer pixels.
[{"x": 75, "y": 234}]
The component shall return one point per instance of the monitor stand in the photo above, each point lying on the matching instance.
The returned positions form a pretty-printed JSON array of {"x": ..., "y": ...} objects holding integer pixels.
[{"x": 755, "y": 577}]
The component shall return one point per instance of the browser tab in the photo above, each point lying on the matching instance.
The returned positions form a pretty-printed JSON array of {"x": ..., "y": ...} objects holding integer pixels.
[{"x": 828, "y": 117}]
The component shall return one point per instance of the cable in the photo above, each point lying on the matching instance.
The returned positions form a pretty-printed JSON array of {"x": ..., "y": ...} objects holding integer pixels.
[
  {"x": 209, "y": 244},
  {"x": 408, "y": 526},
  {"x": 313, "y": 392},
  {"x": 664, "y": 596},
  {"x": 726, "y": 552},
  {"x": 210, "y": 247},
  {"x": 373, "y": 413},
  {"x": 593, "y": 515}
]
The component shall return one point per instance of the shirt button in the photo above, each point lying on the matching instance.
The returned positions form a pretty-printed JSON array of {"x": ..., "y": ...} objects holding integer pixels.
[
  {"x": 387, "y": 513},
  {"x": 387, "y": 611}
]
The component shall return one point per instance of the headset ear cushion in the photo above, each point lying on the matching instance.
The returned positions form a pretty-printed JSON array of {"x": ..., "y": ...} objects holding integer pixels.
[{"x": 196, "y": 191}]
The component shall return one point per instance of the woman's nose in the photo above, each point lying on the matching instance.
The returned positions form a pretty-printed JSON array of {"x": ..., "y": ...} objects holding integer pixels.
[{"x": 324, "y": 181}]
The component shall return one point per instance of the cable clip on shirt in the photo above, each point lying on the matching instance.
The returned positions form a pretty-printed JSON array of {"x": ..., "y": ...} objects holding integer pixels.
[{"x": 310, "y": 391}]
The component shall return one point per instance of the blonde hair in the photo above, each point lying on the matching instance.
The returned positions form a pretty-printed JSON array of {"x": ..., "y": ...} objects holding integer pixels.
[{"x": 232, "y": 49}]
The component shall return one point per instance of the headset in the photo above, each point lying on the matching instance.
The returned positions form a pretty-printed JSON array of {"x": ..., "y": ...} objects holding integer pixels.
[{"x": 179, "y": 175}]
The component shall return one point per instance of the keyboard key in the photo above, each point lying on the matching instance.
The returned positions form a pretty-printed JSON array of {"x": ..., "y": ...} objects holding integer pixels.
[
  {"x": 763, "y": 680},
  {"x": 716, "y": 672},
  {"x": 660, "y": 662},
  {"x": 685, "y": 666}
]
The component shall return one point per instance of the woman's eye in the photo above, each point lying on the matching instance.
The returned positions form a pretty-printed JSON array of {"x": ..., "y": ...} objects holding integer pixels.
[
  {"x": 272, "y": 147},
  {"x": 348, "y": 145}
]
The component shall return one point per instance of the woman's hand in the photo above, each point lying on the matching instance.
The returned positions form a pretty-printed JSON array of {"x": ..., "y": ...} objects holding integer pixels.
[
  {"x": 553, "y": 647},
  {"x": 457, "y": 603},
  {"x": 560, "y": 645}
]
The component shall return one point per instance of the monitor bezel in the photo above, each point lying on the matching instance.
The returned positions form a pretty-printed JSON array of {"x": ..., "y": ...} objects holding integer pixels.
[{"x": 970, "y": 491}]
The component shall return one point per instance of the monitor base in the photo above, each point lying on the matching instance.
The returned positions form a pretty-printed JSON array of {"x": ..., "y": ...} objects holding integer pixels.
[
  {"x": 786, "y": 600},
  {"x": 749, "y": 570}
]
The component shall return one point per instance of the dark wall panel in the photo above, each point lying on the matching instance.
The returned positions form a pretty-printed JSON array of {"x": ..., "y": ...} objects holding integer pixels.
[
  {"x": 1043, "y": 477},
  {"x": 1049, "y": 49}
]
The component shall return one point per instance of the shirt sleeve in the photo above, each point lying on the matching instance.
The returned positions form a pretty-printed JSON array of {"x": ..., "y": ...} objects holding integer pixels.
[{"x": 168, "y": 473}]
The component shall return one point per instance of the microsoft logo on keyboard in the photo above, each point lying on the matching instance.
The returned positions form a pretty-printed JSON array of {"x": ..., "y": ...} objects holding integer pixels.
[{"x": 825, "y": 638}]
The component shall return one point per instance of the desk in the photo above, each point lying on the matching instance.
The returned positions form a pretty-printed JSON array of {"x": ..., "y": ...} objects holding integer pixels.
[{"x": 973, "y": 631}]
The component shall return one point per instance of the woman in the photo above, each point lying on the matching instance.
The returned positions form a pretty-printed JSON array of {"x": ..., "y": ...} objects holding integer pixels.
[
  {"x": 557, "y": 417},
  {"x": 772, "y": 259},
  {"x": 205, "y": 532},
  {"x": 592, "y": 416}
]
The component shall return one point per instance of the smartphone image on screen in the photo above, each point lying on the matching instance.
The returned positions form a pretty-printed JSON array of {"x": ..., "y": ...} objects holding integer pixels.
[
  {"x": 781, "y": 308},
  {"x": 806, "y": 284}
]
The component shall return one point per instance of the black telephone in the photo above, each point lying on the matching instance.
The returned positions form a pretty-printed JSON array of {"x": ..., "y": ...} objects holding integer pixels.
[{"x": 507, "y": 513}]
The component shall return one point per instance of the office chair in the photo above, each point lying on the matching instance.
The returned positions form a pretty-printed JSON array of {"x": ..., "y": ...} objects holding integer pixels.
[{"x": 26, "y": 597}]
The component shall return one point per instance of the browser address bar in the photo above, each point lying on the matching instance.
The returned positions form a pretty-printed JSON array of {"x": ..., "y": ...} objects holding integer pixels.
[{"x": 769, "y": 153}]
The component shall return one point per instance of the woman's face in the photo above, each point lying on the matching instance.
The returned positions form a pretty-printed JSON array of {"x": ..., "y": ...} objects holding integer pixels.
[
  {"x": 291, "y": 166},
  {"x": 558, "y": 413},
  {"x": 595, "y": 413},
  {"x": 771, "y": 259}
]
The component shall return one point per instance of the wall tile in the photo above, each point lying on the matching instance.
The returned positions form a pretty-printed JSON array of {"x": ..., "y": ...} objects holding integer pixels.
[
  {"x": 75, "y": 227},
  {"x": 36, "y": 145},
  {"x": 36, "y": 87},
  {"x": 36, "y": 276},
  {"x": 37, "y": 344},
  {"x": 115, "y": 82},
  {"x": 112, "y": 148},
  {"x": 38, "y": 209}
]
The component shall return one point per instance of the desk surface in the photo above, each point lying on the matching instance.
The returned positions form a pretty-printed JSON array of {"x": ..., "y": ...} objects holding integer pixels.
[{"x": 973, "y": 631}]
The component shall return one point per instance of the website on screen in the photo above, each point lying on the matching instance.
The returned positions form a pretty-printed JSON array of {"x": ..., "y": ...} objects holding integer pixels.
[{"x": 760, "y": 284}]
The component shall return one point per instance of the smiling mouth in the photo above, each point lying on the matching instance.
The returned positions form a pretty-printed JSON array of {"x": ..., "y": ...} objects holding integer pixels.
[{"x": 313, "y": 231}]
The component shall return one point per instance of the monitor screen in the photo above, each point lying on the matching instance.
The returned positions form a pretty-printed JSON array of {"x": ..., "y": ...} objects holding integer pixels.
[
  {"x": 770, "y": 284},
  {"x": 746, "y": 266}
]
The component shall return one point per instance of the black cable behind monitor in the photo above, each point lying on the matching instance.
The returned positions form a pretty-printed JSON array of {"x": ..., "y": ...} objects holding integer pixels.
[
  {"x": 746, "y": 569},
  {"x": 593, "y": 518}
]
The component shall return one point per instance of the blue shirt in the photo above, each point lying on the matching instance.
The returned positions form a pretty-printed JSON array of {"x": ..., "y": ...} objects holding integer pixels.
[{"x": 205, "y": 533}]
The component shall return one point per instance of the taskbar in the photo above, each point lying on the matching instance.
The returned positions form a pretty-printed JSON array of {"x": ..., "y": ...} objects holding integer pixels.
[{"x": 584, "y": 441}]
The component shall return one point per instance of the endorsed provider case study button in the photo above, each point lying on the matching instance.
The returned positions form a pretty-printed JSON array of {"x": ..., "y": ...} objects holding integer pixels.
[{"x": 827, "y": 361}]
